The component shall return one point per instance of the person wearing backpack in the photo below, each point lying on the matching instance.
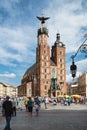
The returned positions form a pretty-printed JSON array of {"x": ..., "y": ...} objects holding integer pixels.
[
  {"x": 7, "y": 108},
  {"x": 37, "y": 105},
  {"x": 30, "y": 106}
]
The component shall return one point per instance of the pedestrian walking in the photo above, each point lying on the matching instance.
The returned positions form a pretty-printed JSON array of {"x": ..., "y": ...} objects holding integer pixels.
[
  {"x": 30, "y": 106},
  {"x": 46, "y": 102},
  {"x": 7, "y": 111},
  {"x": 20, "y": 105},
  {"x": 69, "y": 101},
  {"x": 26, "y": 103},
  {"x": 37, "y": 105},
  {"x": 14, "y": 107}
]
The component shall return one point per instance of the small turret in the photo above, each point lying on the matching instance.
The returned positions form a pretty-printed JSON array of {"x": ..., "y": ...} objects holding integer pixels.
[{"x": 58, "y": 42}]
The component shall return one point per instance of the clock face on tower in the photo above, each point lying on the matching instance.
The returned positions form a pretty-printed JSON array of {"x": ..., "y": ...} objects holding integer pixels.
[{"x": 53, "y": 73}]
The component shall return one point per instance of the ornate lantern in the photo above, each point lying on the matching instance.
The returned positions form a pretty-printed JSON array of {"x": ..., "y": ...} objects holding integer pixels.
[{"x": 73, "y": 69}]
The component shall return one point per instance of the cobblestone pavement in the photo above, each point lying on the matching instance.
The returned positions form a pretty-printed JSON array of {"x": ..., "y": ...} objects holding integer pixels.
[{"x": 58, "y": 117}]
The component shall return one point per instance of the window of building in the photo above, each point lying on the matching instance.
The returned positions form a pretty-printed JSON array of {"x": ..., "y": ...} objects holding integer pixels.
[
  {"x": 61, "y": 77},
  {"x": 44, "y": 63},
  {"x": 61, "y": 71},
  {"x": 44, "y": 36},
  {"x": 60, "y": 65},
  {"x": 60, "y": 52},
  {"x": 44, "y": 51},
  {"x": 60, "y": 60},
  {"x": 44, "y": 57},
  {"x": 62, "y": 83},
  {"x": 45, "y": 70},
  {"x": 47, "y": 82},
  {"x": 44, "y": 45},
  {"x": 45, "y": 87},
  {"x": 45, "y": 76}
]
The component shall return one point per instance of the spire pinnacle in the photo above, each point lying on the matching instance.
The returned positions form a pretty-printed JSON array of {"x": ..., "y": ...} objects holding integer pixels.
[{"x": 58, "y": 37}]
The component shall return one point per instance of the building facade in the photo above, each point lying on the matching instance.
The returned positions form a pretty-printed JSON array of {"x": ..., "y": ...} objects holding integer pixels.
[
  {"x": 72, "y": 88},
  {"x": 82, "y": 84},
  {"x": 6, "y": 89},
  {"x": 47, "y": 77}
]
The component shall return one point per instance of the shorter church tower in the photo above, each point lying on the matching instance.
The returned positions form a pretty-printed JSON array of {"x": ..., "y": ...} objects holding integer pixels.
[{"x": 58, "y": 55}]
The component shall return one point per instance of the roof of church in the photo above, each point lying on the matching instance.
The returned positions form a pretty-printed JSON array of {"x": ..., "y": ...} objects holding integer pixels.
[{"x": 30, "y": 69}]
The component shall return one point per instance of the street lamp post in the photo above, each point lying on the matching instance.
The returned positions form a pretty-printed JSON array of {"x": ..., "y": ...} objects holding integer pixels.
[
  {"x": 73, "y": 68},
  {"x": 82, "y": 49}
]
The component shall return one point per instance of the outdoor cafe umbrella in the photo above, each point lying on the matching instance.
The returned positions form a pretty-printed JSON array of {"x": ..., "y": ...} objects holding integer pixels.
[
  {"x": 66, "y": 96},
  {"x": 76, "y": 95}
]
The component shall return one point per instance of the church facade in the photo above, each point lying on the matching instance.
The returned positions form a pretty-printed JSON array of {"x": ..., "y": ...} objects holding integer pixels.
[{"x": 47, "y": 77}]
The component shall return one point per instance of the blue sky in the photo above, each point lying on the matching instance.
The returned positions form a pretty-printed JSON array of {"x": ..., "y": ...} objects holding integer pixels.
[{"x": 18, "y": 33}]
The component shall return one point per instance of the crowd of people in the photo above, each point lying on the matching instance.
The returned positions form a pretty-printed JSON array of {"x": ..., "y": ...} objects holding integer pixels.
[
  {"x": 30, "y": 103},
  {"x": 8, "y": 106}
]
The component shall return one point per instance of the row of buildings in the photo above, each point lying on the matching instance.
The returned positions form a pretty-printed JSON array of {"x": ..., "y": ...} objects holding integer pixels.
[
  {"x": 79, "y": 87},
  {"x": 7, "y": 89}
]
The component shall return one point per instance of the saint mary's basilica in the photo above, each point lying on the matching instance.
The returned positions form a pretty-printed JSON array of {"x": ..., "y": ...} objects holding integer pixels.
[{"x": 46, "y": 77}]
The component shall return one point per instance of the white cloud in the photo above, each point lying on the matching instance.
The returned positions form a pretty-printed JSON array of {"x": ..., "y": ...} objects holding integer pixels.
[
  {"x": 82, "y": 65},
  {"x": 69, "y": 77},
  {"x": 16, "y": 44},
  {"x": 69, "y": 23},
  {"x": 7, "y": 75}
]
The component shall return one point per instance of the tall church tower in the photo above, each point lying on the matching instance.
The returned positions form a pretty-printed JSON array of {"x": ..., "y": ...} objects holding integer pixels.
[
  {"x": 43, "y": 58},
  {"x": 58, "y": 55}
]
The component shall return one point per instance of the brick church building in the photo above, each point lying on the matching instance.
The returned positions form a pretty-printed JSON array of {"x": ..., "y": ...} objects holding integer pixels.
[{"x": 47, "y": 77}]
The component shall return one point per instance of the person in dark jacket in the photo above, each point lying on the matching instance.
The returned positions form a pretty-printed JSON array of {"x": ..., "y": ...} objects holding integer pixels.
[
  {"x": 30, "y": 106},
  {"x": 7, "y": 108},
  {"x": 37, "y": 105}
]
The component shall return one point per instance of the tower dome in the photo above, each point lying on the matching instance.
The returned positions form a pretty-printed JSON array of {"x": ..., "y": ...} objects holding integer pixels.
[{"x": 43, "y": 30}]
